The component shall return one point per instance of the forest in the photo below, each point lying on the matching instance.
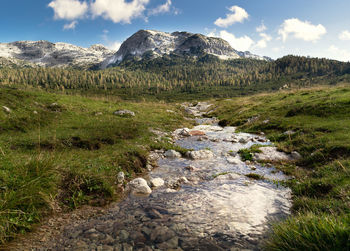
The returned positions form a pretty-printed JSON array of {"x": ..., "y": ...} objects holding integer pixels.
[{"x": 173, "y": 77}]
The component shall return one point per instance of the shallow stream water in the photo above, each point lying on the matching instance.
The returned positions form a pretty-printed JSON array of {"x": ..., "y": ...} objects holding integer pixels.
[{"x": 205, "y": 204}]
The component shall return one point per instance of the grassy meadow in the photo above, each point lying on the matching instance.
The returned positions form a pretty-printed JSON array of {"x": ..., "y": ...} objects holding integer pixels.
[
  {"x": 61, "y": 151},
  {"x": 318, "y": 121}
]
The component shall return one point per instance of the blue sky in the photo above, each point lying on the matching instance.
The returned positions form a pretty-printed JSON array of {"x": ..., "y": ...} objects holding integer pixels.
[{"x": 266, "y": 27}]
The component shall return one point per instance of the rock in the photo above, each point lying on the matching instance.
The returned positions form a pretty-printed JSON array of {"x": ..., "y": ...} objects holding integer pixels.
[
  {"x": 170, "y": 190},
  {"x": 234, "y": 160},
  {"x": 35, "y": 112},
  {"x": 201, "y": 154},
  {"x": 149, "y": 167},
  {"x": 185, "y": 132},
  {"x": 289, "y": 132},
  {"x": 121, "y": 177},
  {"x": 266, "y": 121},
  {"x": 183, "y": 180},
  {"x": 243, "y": 141},
  {"x": 191, "y": 168},
  {"x": 228, "y": 176},
  {"x": 232, "y": 153},
  {"x": 157, "y": 182},
  {"x": 161, "y": 234},
  {"x": 170, "y": 244},
  {"x": 124, "y": 113},
  {"x": 295, "y": 155},
  {"x": 6, "y": 109},
  {"x": 170, "y": 111},
  {"x": 123, "y": 235},
  {"x": 139, "y": 186},
  {"x": 197, "y": 133},
  {"x": 172, "y": 154},
  {"x": 271, "y": 154}
]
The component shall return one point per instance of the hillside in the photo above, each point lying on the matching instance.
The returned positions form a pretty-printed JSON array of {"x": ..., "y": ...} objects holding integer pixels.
[{"x": 313, "y": 122}]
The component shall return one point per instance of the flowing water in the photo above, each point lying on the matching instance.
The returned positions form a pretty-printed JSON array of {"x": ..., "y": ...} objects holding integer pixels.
[{"x": 205, "y": 204}]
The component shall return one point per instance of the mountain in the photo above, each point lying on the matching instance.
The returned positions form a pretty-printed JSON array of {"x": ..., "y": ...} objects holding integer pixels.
[
  {"x": 47, "y": 54},
  {"x": 153, "y": 44},
  {"x": 144, "y": 44}
]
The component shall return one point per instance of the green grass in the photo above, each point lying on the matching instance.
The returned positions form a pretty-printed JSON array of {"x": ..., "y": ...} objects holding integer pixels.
[
  {"x": 247, "y": 154},
  {"x": 69, "y": 154},
  {"x": 321, "y": 185}
]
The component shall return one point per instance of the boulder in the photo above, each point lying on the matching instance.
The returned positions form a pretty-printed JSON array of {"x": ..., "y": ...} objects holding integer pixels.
[
  {"x": 201, "y": 154},
  {"x": 124, "y": 113},
  {"x": 172, "y": 154},
  {"x": 139, "y": 186}
]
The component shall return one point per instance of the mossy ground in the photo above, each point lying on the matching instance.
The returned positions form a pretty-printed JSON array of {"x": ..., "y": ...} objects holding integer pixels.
[
  {"x": 69, "y": 153},
  {"x": 320, "y": 124}
]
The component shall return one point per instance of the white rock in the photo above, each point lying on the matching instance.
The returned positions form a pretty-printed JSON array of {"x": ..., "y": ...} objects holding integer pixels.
[
  {"x": 172, "y": 154},
  {"x": 124, "y": 113},
  {"x": 157, "y": 182},
  {"x": 139, "y": 186},
  {"x": 243, "y": 140},
  {"x": 228, "y": 176},
  {"x": 234, "y": 160},
  {"x": 271, "y": 154},
  {"x": 6, "y": 109},
  {"x": 289, "y": 132},
  {"x": 121, "y": 177},
  {"x": 201, "y": 154}
]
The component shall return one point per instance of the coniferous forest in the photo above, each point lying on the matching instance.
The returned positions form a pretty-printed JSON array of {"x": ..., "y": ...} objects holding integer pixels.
[{"x": 172, "y": 77}]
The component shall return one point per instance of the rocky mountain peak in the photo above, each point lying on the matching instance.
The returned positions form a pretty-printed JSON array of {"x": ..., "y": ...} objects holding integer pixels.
[{"x": 146, "y": 43}]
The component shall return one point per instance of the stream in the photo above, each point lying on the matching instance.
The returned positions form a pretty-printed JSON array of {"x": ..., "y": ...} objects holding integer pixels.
[{"x": 206, "y": 202}]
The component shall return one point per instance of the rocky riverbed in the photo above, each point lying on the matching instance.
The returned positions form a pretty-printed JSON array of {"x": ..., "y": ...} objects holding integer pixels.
[{"x": 200, "y": 201}]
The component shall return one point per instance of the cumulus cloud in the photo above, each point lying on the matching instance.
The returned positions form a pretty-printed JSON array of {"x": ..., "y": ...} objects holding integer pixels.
[
  {"x": 301, "y": 30},
  {"x": 261, "y": 28},
  {"x": 339, "y": 54},
  {"x": 70, "y": 26},
  {"x": 238, "y": 43},
  {"x": 262, "y": 43},
  {"x": 114, "y": 45},
  {"x": 345, "y": 35},
  {"x": 68, "y": 9},
  {"x": 118, "y": 10},
  {"x": 160, "y": 9},
  {"x": 238, "y": 15}
]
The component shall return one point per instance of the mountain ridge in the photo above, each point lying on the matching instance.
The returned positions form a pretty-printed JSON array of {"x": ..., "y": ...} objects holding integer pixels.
[
  {"x": 157, "y": 43},
  {"x": 142, "y": 44}
]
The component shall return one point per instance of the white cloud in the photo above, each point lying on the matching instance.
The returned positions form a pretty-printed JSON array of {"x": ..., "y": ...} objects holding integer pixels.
[
  {"x": 68, "y": 9},
  {"x": 261, "y": 28},
  {"x": 262, "y": 43},
  {"x": 238, "y": 15},
  {"x": 345, "y": 35},
  {"x": 339, "y": 54},
  {"x": 114, "y": 45},
  {"x": 70, "y": 26},
  {"x": 301, "y": 30},
  {"x": 238, "y": 43},
  {"x": 118, "y": 10},
  {"x": 161, "y": 9}
]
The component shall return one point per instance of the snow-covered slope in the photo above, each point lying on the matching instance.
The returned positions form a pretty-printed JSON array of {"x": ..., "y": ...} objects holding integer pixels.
[
  {"x": 44, "y": 53},
  {"x": 152, "y": 43}
]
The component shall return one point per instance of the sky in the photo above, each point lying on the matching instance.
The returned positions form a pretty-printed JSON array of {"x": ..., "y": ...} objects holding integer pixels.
[{"x": 274, "y": 28}]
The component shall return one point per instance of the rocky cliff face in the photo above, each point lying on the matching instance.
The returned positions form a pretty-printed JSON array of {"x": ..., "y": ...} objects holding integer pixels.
[
  {"x": 44, "y": 53},
  {"x": 156, "y": 43}
]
